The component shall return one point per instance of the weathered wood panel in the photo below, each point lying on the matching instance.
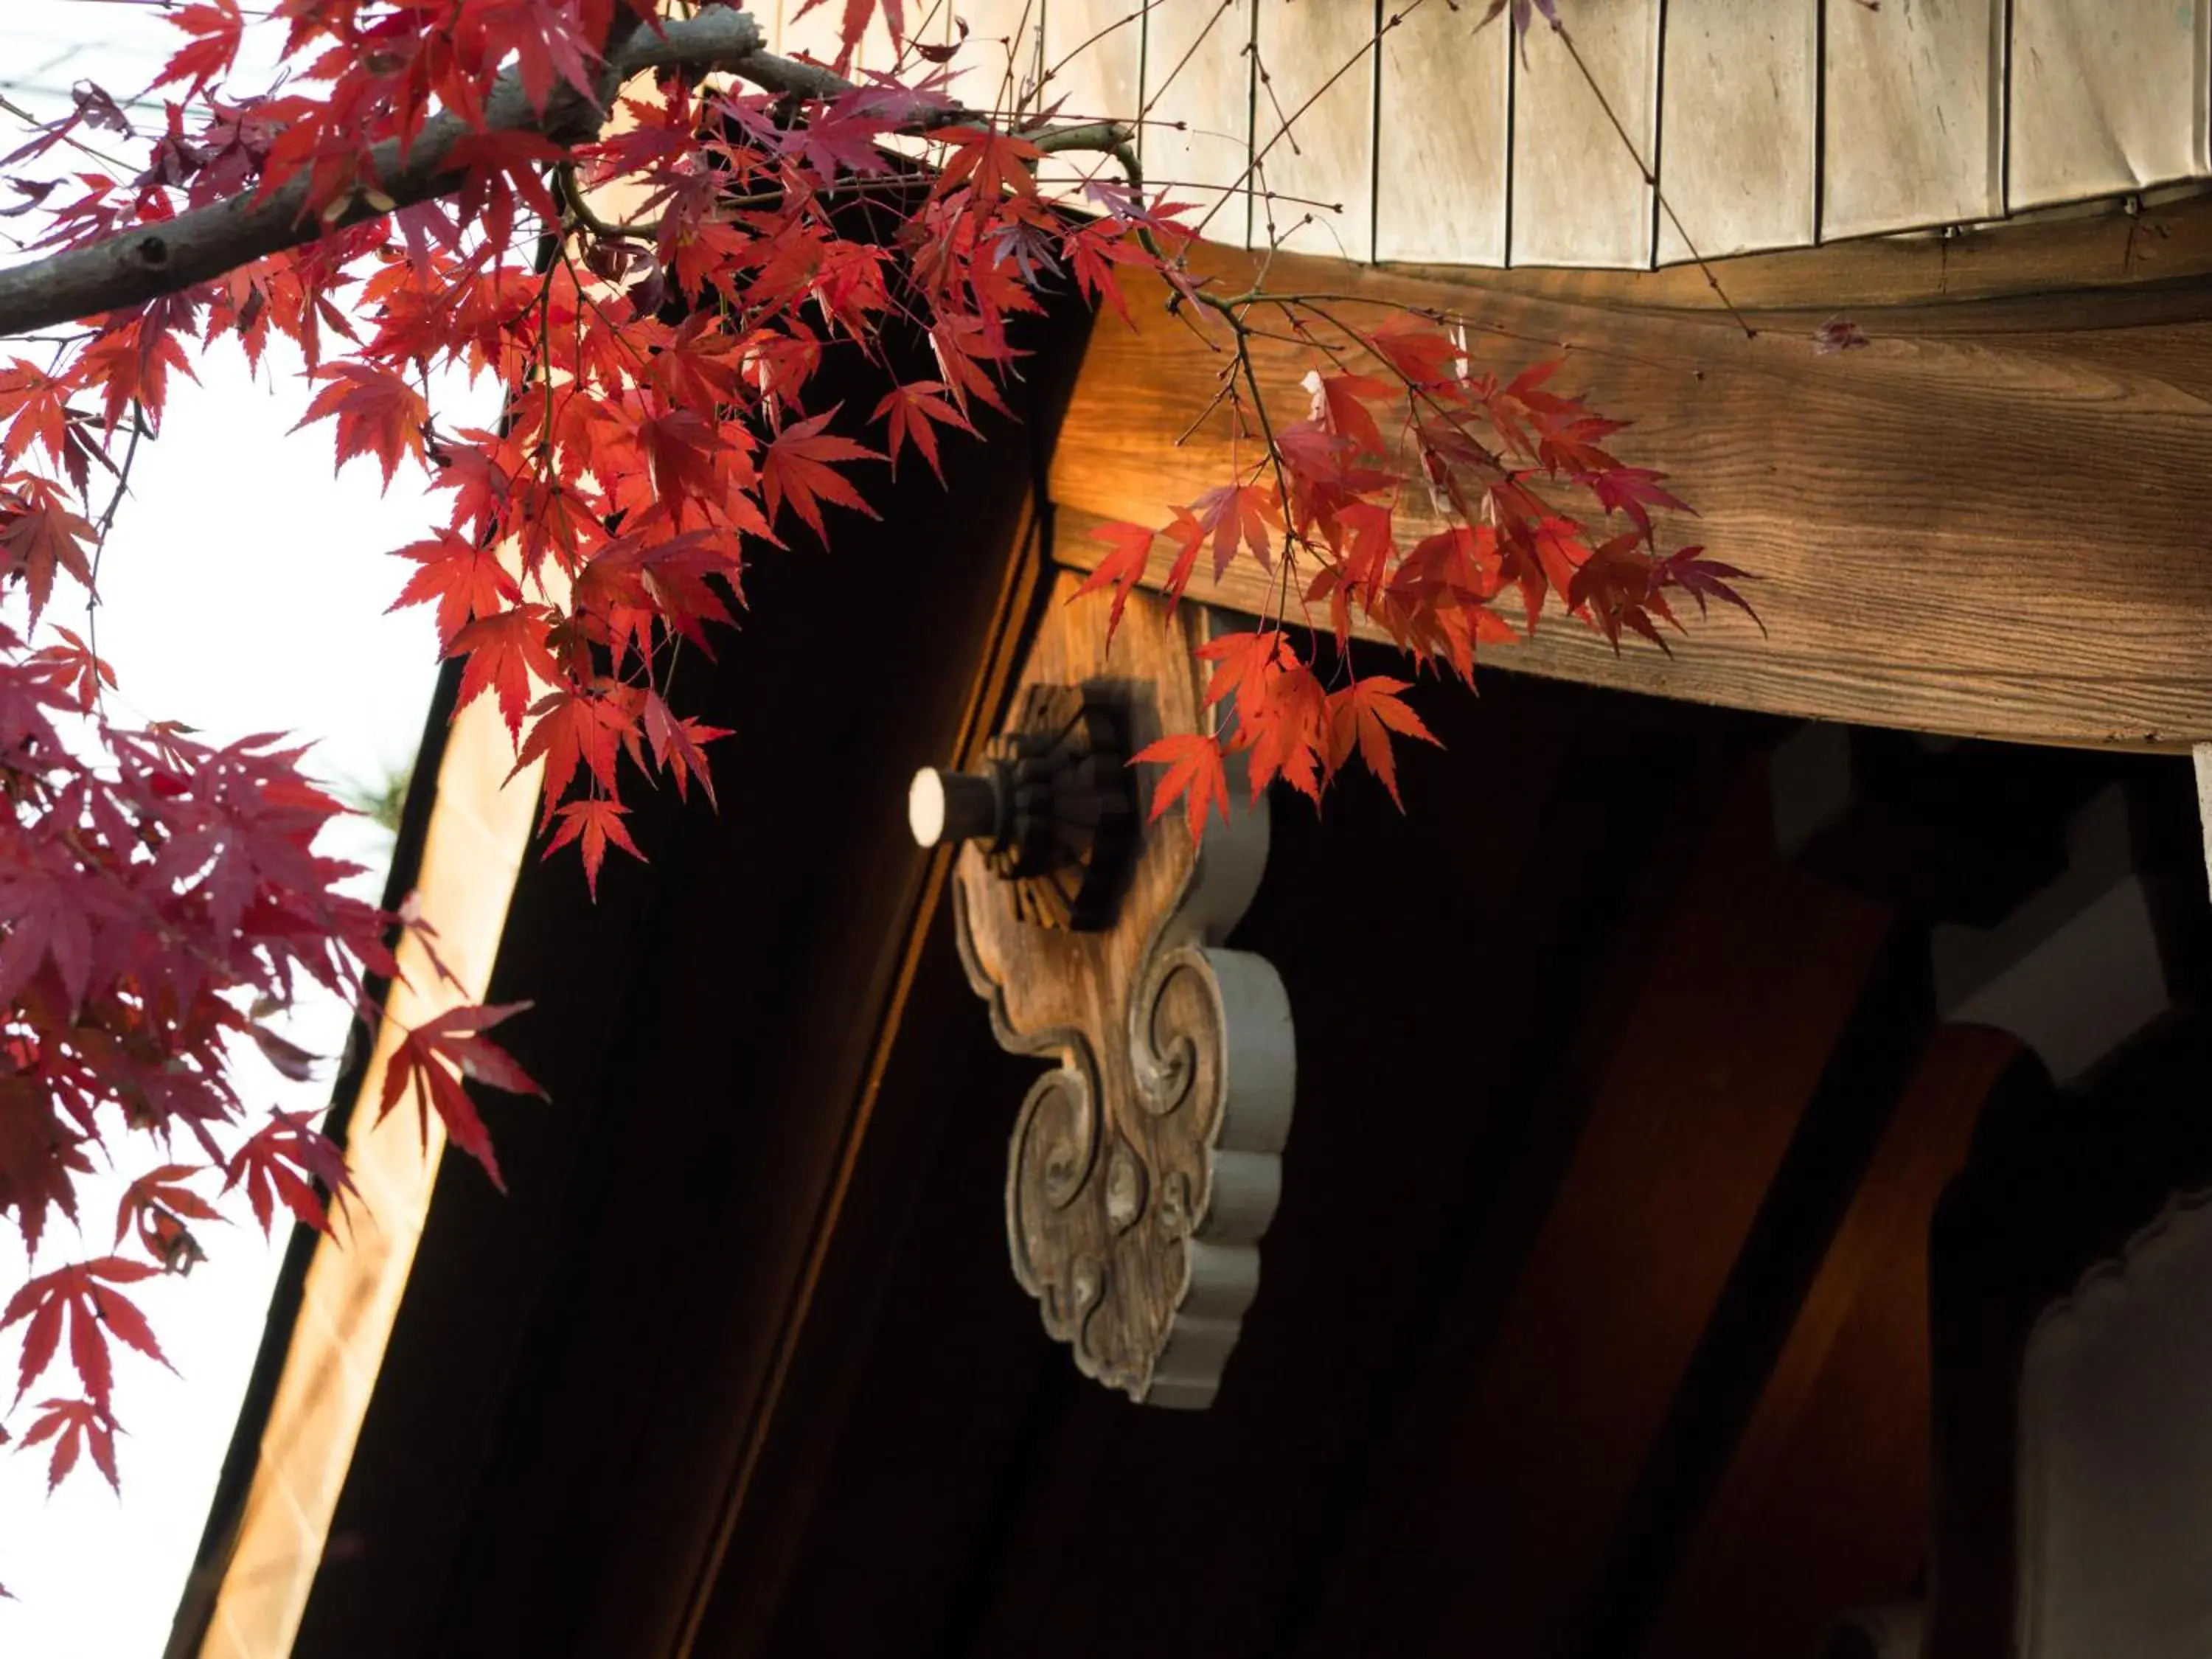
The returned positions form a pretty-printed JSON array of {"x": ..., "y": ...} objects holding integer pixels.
[
  {"x": 1914, "y": 124},
  {"x": 1824, "y": 1506},
  {"x": 1581, "y": 194},
  {"x": 1198, "y": 126},
  {"x": 1093, "y": 57},
  {"x": 1314, "y": 129},
  {"x": 1441, "y": 133},
  {"x": 1987, "y": 535},
  {"x": 2106, "y": 96},
  {"x": 1002, "y": 59},
  {"x": 1739, "y": 126}
]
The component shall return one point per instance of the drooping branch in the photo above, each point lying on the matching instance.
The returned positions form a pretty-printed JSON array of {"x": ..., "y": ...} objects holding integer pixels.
[{"x": 201, "y": 244}]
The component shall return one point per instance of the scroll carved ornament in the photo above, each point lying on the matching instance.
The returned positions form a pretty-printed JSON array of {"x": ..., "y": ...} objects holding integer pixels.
[{"x": 1143, "y": 1168}]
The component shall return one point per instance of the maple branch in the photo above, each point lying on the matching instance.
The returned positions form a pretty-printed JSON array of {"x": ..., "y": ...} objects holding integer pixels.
[{"x": 204, "y": 243}]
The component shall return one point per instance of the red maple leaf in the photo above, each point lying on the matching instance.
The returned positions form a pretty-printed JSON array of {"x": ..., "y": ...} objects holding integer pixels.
[
  {"x": 683, "y": 448},
  {"x": 1189, "y": 535},
  {"x": 83, "y": 1296},
  {"x": 796, "y": 464},
  {"x": 37, "y": 539},
  {"x": 910, "y": 409},
  {"x": 571, "y": 728},
  {"x": 679, "y": 746},
  {"x": 157, "y": 1204},
  {"x": 1093, "y": 249},
  {"x": 377, "y": 413},
  {"x": 78, "y": 667},
  {"x": 1340, "y": 405},
  {"x": 592, "y": 824},
  {"x": 503, "y": 652},
  {"x": 216, "y": 29},
  {"x": 462, "y": 575},
  {"x": 1283, "y": 719},
  {"x": 993, "y": 161},
  {"x": 282, "y": 1160},
  {"x": 1417, "y": 349},
  {"x": 73, "y": 1426},
  {"x": 1704, "y": 579},
  {"x": 433, "y": 1060},
  {"x": 1246, "y": 511},
  {"x": 39, "y": 1155},
  {"x": 854, "y": 23},
  {"x": 547, "y": 41},
  {"x": 1197, "y": 775},
  {"x": 35, "y": 405},
  {"x": 1366, "y": 714},
  {"x": 1121, "y": 570}
]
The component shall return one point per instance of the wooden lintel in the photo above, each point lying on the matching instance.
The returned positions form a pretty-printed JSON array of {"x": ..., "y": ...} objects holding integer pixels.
[
  {"x": 1986, "y": 522},
  {"x": 2104, "y": 246}
]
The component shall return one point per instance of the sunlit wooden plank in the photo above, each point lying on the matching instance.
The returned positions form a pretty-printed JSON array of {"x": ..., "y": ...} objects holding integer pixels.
[
  {"x": 1441, "y": 133},
  {"x": 1739, "y": 126},
  {"x": 1915, "y": 117},
  {"x": 2107, "y": 95},
  {"x": 1579, "y": 194},
  {"x": 1316, "y": 65},
  {"x": 1987, "y": 588},
  {"x": 1197, "y": 131}
]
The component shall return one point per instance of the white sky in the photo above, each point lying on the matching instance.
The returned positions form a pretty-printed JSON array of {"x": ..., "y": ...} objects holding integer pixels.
[{"x": 245, "y": 591}]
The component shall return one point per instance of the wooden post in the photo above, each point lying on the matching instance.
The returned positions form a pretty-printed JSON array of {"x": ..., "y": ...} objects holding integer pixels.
[{"x": 2201, "y": 753}]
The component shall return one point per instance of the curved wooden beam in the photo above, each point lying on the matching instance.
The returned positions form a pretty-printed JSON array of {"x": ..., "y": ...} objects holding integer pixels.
[
  {"x": 2053, "y": 255},
  {"x": 1988, "y": 523}
]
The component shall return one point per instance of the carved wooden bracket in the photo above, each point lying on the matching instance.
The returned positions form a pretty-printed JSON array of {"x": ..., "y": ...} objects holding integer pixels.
[{"x": 1143, "y": 1170}]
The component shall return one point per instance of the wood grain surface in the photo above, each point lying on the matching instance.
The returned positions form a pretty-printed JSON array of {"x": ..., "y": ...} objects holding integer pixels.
[{"x": 1991, "y": 534}]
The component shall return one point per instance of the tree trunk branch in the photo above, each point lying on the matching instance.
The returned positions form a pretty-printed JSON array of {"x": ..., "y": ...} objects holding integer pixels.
[{"x": 204, "y": 243}]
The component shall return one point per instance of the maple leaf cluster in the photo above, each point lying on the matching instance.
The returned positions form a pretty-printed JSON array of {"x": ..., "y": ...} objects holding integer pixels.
[
  {"x": 162, "y": 899},
  {"x": 655, "y": 274},
  {"x": 1415, "y": 495},
  {"x": 158, "y": 899}
]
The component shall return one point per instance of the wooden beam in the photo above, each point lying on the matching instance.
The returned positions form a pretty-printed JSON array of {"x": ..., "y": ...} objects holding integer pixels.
[
  {"x": 1989, "y": 534},
  {"x": 1823, "y": 1507},
  {"x": 1503, "y": 1519},
  {"x": 2201, "y": 755},
  {"x": 2056, "y": 252}
]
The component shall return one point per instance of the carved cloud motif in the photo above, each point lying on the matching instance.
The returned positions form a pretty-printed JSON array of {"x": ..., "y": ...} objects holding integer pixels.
[{"x": 1145, "y": 1167}]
